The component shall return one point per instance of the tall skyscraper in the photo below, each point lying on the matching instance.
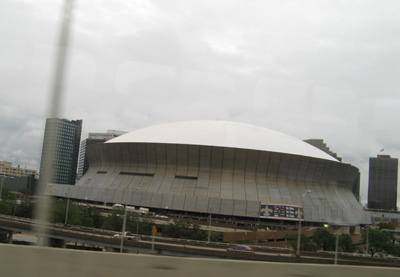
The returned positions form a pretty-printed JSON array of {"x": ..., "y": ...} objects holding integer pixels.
[
  {"x": 61, "y": 147},
  {"x": 321, "y": 145},
  {"x": 93, "y": 138},
  {"x": 382, "y": 183}
]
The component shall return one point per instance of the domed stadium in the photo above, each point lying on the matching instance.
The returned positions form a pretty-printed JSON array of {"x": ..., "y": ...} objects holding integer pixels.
[{"x": 223, "y": 168}]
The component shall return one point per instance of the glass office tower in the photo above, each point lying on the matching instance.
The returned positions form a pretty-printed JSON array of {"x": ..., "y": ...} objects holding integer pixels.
[
  {"x": 382, "y": 183},
  {"x": 61, "y": 146},
  {"x": 94, "y": 138}
]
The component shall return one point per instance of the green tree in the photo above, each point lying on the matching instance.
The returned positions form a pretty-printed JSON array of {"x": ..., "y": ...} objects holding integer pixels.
[
  {"x": 378, "y": 242},
  {"x": 386, "y": 225},
  {"x": 184, "y": 230},
  {"x": 346, "y": 243},
  {"x": 5, "y": 208},
  {"x": 145, "y": 226},
  {"x": 216, "y": 236},
  {"x": 96, "y": 216},
  {"x": 7, "y": 202},
  {"x": 324, "y": 239},
  {"x": 393, "y": 249},
  {"x": 91, "y": 217},
  {"x": 25, "y": 208},
  {"x": 306, "y": 243},
  {"x": 114, "y": 221},
  {"x": 58, "y": 211}
]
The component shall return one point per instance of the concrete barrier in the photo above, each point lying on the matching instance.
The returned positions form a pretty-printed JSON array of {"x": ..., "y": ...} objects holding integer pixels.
[{"x": 39, "y": 261}]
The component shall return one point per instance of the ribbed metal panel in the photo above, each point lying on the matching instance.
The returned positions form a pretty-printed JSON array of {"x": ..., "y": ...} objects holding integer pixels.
[
  {"x": 227, "y": 206},
  {"x": 179, "y": 202},
  {"x": 240, "y": 207},
  {"x": 231, "y": 181},
  {"x": 167, "y": 201},
  {"x": 215, "y": 205},
  {"x": 118, "y": 196},
  {"x": 253, "y": 209},
  {"x": 202, "y": 205},
  {"x": 146, "y": 199},
  {"x": 156, "y": 200},
  {"x": 126, "y": 197},
  {"x": 190, "y": 203},
  {"x": 136, "y": 197}
]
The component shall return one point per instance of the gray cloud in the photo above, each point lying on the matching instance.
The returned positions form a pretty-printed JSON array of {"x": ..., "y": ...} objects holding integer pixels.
[{"x": 316, "y": 69}]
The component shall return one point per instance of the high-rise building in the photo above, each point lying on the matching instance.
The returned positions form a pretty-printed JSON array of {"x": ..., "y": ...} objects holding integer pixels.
[
  {"x": 382, "y": 183},
  {"x": 321, "y": 145},
  {"x": 61, "y": 148},
  {"x": 6, "y": 168},
  {"x": 93, "y": 138}
]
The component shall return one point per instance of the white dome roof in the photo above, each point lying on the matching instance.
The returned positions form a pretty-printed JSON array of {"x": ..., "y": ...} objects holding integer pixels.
[{"x": 223, "y": 134}]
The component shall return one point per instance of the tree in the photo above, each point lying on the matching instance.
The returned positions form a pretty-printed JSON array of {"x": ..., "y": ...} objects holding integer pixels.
[
  {"x": 25, "y": 208},
  {"x": 58, "y": 212},
  {"x": 5, "y": 208},
  {"x": 378, "y": 242},
  {"x": 386, "y": 225},
  {"x": 324, "y": 239},
  {"x": 346, "y": 243},
  {"x": 114, "y": 221},
  {"x": 91, "y": 217},
  {"x": 306, "y": 243},
  {"x": 184, "y": 230},
  {"x": 7, "y": 202}
]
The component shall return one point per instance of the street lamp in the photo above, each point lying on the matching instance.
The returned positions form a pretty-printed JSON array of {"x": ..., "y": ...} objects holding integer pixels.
[
  {"x": 66, "y": 212},
  {"x": 336, "y": 246},
  {"x": 299, "y": 218},
  {"x": 257, "y": 225},
  {"x": 123, "y": 231},
  {"x": 67, "y": 209}
]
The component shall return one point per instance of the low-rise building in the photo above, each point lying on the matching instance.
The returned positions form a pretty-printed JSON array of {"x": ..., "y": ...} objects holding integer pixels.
[{"x": 6, "y": 168}]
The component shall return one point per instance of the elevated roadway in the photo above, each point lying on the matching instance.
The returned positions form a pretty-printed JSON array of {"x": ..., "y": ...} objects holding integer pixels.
[{"x": 176, "y": 247}]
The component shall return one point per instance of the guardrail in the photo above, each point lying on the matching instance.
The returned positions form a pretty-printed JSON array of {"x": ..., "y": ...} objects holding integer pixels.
[{"x": 187, "y": 247}]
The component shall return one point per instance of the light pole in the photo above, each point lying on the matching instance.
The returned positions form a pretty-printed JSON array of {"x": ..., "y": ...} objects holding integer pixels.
[
  {"x": 66, "y": 212},
  {"x": 336, "y": 246},
  {"x": 209, "y": 226},
  {"x": 123, "y": 231},
  {"x": 67, "y": 209},
  {"x": 257, "y": 225},
  {"x": 299, "y": 218},
  {"x": 367, "y": 241}
]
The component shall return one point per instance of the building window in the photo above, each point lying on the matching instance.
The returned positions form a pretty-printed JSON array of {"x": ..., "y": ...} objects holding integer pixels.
[
  {"x": 186, "y": 177},
  {"x": 136, "y": 174}
]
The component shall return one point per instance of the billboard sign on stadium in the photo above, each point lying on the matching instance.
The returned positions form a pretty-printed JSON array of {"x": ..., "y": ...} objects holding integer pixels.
[{"x": 282, "y": 212}]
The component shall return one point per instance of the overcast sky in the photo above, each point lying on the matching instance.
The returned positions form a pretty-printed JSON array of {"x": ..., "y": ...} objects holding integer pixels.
[{"x": 310, "y": 69}]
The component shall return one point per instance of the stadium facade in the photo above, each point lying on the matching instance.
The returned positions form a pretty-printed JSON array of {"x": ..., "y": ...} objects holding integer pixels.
[{"x": 220, "y": 167}]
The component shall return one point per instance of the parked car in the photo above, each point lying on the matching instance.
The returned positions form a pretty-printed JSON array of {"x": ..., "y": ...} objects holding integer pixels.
[
  {"x": 241, "y": 248},
  {"x": 127, "y": 236},
  {"x": 161, "y": 216}
]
